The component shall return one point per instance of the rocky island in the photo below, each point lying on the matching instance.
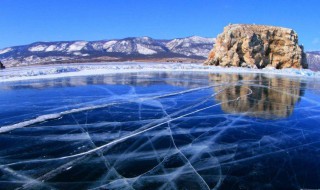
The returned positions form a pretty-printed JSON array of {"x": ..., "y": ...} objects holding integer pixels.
[{"x": 257, "y": 46}]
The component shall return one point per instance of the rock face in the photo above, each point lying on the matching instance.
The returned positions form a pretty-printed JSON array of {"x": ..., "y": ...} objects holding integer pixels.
[
  {"x": 257, "y": 46},
  {"x": 2, "y": 66}
]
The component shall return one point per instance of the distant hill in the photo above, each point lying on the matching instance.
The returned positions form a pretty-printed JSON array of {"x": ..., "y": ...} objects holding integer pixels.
[
  {"x": 191, "y": 49},
  {"x": 313, "y": 59}
]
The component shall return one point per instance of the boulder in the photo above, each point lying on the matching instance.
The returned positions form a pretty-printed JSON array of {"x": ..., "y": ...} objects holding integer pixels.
[
  {"x": 257, "y": 46},
  {"x": 2, "y": 66}
]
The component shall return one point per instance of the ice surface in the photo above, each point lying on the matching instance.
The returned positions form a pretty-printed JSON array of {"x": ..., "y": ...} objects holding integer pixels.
[
  {"x": 159, "y": 130},
  {"x": 58, "y": 71}
]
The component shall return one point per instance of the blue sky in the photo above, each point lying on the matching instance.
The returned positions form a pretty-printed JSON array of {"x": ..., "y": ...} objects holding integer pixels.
[{"x": 27, "y": 21}]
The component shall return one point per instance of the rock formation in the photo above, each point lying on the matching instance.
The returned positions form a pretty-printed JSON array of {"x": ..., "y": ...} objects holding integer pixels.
[
  {"x": 257, "y": 46},
  {"x": 2, "y": 66},
  {"x": 268, "y": 98}
]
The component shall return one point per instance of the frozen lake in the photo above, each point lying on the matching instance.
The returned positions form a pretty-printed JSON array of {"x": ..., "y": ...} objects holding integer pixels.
[{"x": 161, "y": 130}]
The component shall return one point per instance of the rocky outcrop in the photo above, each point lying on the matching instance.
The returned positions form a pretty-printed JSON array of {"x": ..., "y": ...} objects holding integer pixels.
[
  {"x": 2, "y": 66},
  {"x": 257, "y": 46}
]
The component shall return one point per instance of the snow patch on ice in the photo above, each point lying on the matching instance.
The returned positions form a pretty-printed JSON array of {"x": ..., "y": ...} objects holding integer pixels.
[
  {"x": 29, "y": 122},
  {"x": 47, "y": 117}
]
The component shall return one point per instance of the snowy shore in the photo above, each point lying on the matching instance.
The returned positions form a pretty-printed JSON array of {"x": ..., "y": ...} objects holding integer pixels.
[{"x": 67, "y": 70}]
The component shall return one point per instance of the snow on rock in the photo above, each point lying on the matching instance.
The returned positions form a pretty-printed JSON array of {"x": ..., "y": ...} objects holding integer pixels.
[
  {"x": 77, "y": 53},
  {"x": 123, "y": 46},
  {"x": 109, "y": 44},
  {"x": 51, "y": 48},
  {"x": 188, "y": 46},
  {"x": 124, "y": 42},
  {"x": 58, "y": 47},
  {"x": 80, "y": 54},
  {"x": 174, "y": 43},
  {"x": 186, "y": 42},
  {"x": 38, "y": 48},
  {"x": 77, "y": 46},
  {"x": 62, "y": 47},
  {"x": 145, "y": 51},
  {"x": 30, "y": 58},
  {"x": 97, "y": 45},
  {"x": 6, "y": 50},
  {"x": 198, "y": 39},
  {"x": 50, "y": 52},
  {"x": 313, "y": 59}
]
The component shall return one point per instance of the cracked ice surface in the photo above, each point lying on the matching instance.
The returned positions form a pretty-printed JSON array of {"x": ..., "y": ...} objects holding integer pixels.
[{"x": 161, "y": 130}]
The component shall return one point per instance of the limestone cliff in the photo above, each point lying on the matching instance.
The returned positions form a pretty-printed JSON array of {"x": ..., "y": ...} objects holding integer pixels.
[{"x": 257, "y": 46}]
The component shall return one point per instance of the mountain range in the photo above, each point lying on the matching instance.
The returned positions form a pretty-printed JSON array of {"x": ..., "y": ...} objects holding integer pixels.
[
  {"x": 192, "y": 49},
  {"x": 189, "y": 49},
  {"x": 313, "y": 59}
]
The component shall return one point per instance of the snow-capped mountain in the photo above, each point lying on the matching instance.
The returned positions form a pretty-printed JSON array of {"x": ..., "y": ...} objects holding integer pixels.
[
  {"x": 194, "y": 45},
  {"x": 139, "y": 48},
  {"x": 190, "y": 49},
  {"x": 313, "y": 59},
  {"x": 143, "y": 46}
]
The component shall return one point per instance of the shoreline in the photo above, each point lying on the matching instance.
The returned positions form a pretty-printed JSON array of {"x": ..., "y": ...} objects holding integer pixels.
[{"x": 52, "y": 71}]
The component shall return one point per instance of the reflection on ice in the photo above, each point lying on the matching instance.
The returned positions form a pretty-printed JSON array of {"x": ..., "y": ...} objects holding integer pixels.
[
  {"x": 152, "y": 78},
  {"x": 272, "y": 97},
  {"x": 161, "y": 131}
]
